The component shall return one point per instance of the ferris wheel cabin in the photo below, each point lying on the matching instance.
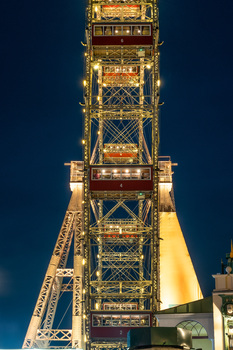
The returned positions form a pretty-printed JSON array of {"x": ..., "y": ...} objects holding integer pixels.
[
  {"x": 126, "y": 230},
  {"x": 121, "y": 178},
  {"x": 120, "y": 153},
  {"x": 109, "y": 34},
  {"x": 120, "y": 75},
  {"x": 116, "y": 324},
  {"x": 117, "y": 11}
]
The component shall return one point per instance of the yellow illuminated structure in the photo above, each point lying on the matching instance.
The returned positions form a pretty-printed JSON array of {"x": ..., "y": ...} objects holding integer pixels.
[
  {"x": 178, "y": 280},
  {"x": 117, "y": 268}
]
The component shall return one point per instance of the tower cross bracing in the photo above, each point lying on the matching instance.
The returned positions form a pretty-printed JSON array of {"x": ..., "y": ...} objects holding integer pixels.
[{"x": 111, "y": 223}]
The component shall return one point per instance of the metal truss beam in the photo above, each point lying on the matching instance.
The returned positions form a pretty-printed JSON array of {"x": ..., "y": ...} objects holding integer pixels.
[
  {"x": 43, "y": 315},
  {"x": 115, "y": 234}
]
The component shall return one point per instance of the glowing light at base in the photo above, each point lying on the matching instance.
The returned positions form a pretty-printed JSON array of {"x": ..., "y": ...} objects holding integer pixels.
[{"x": 178, "y": 279}]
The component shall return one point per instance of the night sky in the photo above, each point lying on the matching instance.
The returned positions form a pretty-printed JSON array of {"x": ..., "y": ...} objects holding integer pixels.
[{"x": 41, "y": 67}]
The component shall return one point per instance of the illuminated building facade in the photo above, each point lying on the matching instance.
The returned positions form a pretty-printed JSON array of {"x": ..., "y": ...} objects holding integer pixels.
[
  {"x": 210, "y": 319},
  {"x": 223, "y": 307}
]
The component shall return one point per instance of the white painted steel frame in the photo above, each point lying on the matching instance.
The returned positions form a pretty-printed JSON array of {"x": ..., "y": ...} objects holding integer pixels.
[{"x": 122, "y": 112}]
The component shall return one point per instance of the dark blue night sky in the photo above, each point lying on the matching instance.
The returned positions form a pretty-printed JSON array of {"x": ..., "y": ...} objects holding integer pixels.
[{"x": 41, "y": 67}]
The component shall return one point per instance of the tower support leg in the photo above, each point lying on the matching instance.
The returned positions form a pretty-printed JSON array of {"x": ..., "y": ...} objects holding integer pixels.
[
  {"x": 72, "y": 221},
  {"x": 77, "y": 315}
]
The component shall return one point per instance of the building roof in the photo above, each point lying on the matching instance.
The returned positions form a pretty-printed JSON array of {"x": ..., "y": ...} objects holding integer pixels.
[{"x": 199, "y": 306}]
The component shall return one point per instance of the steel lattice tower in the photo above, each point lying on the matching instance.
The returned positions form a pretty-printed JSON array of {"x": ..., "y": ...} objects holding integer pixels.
[{"x": 112, "y": 220}]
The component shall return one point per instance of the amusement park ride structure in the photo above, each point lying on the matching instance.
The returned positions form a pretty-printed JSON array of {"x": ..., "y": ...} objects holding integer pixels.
[{"x": 112, "y": 221}]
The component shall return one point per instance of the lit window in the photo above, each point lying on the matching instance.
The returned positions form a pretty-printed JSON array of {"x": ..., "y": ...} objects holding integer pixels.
[
  {"x": 98, "y": 30},
  {"x": 117, "y": 30},
  {"x": 125, "y": 320},
  {"x": 107, "y": 320},
  {"x": 198, "y": 331},
  {"x": 116, "y": 320},
  {"x": 96, "y": 321},
  {"x": 134, "y": 321},
  {"x": 107, "y": 30},
  {"x": 145, "y": 321}
]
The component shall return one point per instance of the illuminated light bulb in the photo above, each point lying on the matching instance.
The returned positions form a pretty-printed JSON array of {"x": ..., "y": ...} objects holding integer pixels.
[
  {"x": 85, "y": 338},
  {"x": 84, "y": 261},
  {"x": 98, "y": 132},
  {"x": 97, "y": 306},
  {"x": 96, "y": 66},
  {"x": 142, "y": 256},
  {"x": 116, "y": 31},
  {"x": 114, "y": 170},
  {"x": 85, "y": 54},
  {"x": 98, "y": 98},
  {"x": 127, "y": 170},
  {"x": 103, "y": 171},
  {"x": 148, "y": 66},
  {"x": 83, "y": 202},
  {"x": 158, "y": 82},
  {"x": 84, "y": 110},
  {"x": 83, "y": 142},
  {"x": 138, "y": 170},
  {"x": 84, "y": 82},
  {"x": 137, "y": 84},
  {"x": 96, "y": 9},
  {"x": 83, "y": 233},
  {"x": 104, "y": 84},
  {"x": 84, "y": 316},
  {"x": 98, "y": 256},
  {"x": 127, "y": 31},
  {"x": 97, "y": 273}
]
